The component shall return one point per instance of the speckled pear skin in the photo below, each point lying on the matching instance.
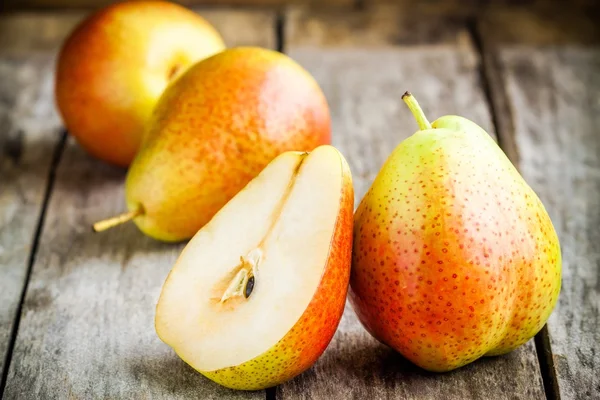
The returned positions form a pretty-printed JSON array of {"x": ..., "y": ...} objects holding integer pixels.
[
  {"x": 300, "y": 348},
  {"x": 454, "y": 255},
  {"x": 216, "y": 128}
]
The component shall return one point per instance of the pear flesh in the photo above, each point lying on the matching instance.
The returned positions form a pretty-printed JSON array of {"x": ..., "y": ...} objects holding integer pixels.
[{"x": 245, "y": 279}]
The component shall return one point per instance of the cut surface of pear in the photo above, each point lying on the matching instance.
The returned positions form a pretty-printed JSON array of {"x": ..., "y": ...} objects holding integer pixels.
[{"x": 246, "y": 279}]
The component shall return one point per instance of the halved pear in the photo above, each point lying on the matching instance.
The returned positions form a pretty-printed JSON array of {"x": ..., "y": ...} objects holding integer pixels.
[{"x": 257, "y": 294}]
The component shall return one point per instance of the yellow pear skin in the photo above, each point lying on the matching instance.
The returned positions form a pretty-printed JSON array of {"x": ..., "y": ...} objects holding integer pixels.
[{"x": 213, "y": 130}]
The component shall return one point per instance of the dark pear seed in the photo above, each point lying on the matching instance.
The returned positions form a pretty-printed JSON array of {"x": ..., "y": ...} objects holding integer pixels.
[{"x": 249, "y": 287}]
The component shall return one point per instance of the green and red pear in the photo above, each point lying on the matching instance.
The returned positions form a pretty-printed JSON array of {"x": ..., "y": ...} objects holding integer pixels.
[{"x": 455, "y": 256}]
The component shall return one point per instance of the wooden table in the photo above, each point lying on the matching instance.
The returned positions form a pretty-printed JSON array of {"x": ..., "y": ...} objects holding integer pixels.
[{"x": 77, "y": 309}]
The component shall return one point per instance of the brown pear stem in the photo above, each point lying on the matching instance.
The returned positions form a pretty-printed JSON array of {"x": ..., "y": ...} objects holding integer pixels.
[
  {"x": 416, "y": 110},
  {"x": 117, "y": 220}
]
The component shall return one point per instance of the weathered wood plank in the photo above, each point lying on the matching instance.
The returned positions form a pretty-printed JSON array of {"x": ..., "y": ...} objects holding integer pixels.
[
  {"x": 27, "y": 32},
  {"x": 554, "y": 94},
  {"x": 364, "y": 88},
  {"x": 87, "y": 328},
  {"x": 377, "y": 27},
  {"x": 551, "y": 84},
  {"x": 29, "y": 133},
  {"x": 486, "y": 3},
  {"x": 243, "y": 27},
  {"x": 66, "y": 4}
]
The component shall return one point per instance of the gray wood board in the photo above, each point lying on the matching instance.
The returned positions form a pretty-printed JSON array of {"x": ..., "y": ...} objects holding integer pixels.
[
  {"x": 87, "y": 328},
  {"x": 554, "y": 96},
  {"x": 29, "y": 133},
  {"x": 30, "y": 32},
  {"x": 364, "y": 89}
]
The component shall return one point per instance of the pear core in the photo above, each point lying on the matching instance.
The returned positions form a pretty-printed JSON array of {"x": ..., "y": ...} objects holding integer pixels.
[{"x": 277, "y": 232}]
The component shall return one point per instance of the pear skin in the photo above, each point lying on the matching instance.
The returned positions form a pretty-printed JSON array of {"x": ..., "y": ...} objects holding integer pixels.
[
  {"x": 307, "y": 340},
  {"x": 114, "y": 66},
  {"x": 213, "y": 130},
  {"x": 299, "y": 243},
  {"x": 455, "y": 256}
]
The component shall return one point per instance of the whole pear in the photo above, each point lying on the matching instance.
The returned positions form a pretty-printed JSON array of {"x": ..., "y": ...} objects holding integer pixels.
[
  {"x": 454, "y": 255},
  {"x": 114, "y": 66},
  {"x": 213, "y": 130}
]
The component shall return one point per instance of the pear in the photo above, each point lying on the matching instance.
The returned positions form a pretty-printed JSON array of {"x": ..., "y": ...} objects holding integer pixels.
[
  {"x": 455, "y": 257},
  {"x": 213, "y": 130},
  {"x": 257, "y": 294},
  {"x": 113, "y": 67}
]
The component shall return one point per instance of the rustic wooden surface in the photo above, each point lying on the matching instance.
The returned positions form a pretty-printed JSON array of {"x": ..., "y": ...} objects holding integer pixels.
[
  {"x": 90, "y": 4},
  {"x": 549, "y": 83},
  {"x": 29, "y": 133},
  {"x": 555, "y": 96},
  {"x": 86, "y": 328},
  {"x": 439, "y": 4},
  {"x": 364, "y": 76},
  {"x": 34, "y": 32}
]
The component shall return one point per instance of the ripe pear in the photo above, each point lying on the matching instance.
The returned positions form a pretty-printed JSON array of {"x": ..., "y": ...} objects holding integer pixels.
[
  {"x": 257, "y": 294},
  {"x": 213, "y": 130},
  {"x": 455, "y": 257},
  {"x": 114, "y": 66}
]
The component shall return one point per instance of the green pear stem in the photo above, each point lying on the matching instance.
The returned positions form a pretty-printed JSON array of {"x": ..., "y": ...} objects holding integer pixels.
[
  {"x": 416, "y": 110},
  {"x": 117, "y": 220}
]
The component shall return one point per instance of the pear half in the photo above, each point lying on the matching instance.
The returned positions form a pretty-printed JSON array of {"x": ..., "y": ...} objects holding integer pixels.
[{"x": 257, "y": 294}]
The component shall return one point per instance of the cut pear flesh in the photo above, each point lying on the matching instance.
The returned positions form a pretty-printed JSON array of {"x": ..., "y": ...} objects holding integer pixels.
[{"x": 246, "y": 278}]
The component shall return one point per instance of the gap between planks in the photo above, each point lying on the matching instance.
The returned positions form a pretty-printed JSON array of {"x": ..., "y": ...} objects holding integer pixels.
[
  {"x": 494, "y": 88},
  {"x": 57, "y": 153},
  {"x": 279, "y": 31},
  {"x": 494, "y": 92}
]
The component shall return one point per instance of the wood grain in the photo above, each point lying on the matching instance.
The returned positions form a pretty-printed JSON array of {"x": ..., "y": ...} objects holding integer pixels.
[
  {"x": 71, "y": 4},
  {"x": 376, "y": 27},
  {"x": 551, "y": 84},
  {"x": 478, "y": 5},
  {"x": 243, "y": 27},
  {"x": 29, "y": 133},
  {"x": 363, "y": 78},
  {"x": 87, "y": 328},
  {"x": 554, "y": 96},
  {"x": 32, "y": 32}
]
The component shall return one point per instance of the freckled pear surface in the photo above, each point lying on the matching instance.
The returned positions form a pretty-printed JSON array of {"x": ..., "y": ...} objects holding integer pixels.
[
  {"x": 292, "y": 226},
  {"x": 215, "y": 129},
  {"x": 455, "y": 256}
]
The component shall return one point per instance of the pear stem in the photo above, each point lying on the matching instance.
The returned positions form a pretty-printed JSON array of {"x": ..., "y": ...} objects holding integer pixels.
[
  {"x": 117, "y": 220},
  {"x": 416, "y": 110}
]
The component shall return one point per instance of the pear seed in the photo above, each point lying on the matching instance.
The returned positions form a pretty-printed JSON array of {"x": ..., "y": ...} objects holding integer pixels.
[{"x": 249, "y": 287}]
